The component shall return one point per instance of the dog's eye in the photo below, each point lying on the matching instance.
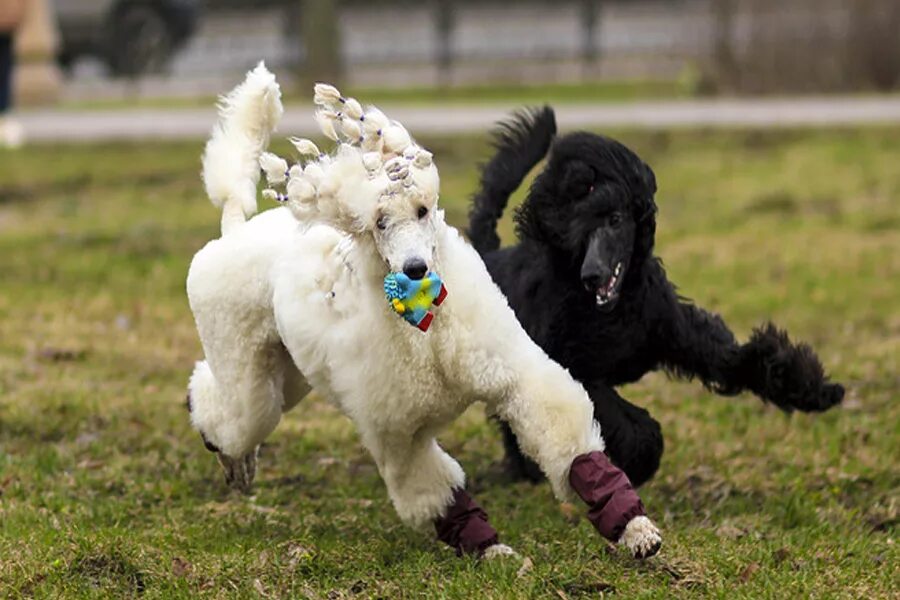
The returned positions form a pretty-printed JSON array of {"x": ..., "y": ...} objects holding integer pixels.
[
  {"x": 422, "y": 212},
  {"x": 381, "y": 223}
]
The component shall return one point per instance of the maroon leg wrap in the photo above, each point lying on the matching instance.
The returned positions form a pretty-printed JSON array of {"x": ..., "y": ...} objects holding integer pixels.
[
  {"x": 607, "y": 491},
  {"x": 465, "y": 526}
]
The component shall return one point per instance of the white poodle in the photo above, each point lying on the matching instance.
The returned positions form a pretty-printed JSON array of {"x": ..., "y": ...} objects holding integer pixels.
[{"x": 293, "y": 300}]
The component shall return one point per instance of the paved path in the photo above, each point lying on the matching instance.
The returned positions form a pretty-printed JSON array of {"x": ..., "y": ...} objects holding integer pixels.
[{"x": 192, "y": 123}]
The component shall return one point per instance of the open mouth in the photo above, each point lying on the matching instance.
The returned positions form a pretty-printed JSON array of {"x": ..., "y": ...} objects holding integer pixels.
[{"x": 609, "y": 291}]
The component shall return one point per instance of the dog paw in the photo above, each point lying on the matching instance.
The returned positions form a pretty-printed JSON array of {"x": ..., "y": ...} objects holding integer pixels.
[
  {"x": 641, "y": 537},
  {"x": 239, "y": 472},
  {"x": 832, "y": 394},
  {"x": 497, "y": 550}
]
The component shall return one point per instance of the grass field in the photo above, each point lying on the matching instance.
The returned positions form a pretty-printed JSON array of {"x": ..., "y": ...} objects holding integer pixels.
[{"x": 105, "y": 491}]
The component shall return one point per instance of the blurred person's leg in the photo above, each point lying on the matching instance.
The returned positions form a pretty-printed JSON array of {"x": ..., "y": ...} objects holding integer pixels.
[
  {"x": 6, "y": 58},
  {"x": 10, "y": 131}
]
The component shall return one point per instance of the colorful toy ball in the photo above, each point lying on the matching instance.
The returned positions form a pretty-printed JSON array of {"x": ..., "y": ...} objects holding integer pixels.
[{"x": 411, "y": 298}]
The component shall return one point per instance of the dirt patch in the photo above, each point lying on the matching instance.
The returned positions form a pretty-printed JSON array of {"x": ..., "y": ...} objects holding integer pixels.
[{"x": 109, "y": 570}]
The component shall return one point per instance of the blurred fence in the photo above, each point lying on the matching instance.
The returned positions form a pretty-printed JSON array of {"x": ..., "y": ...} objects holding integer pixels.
[
  {"x": 720, "y": 45},
  {"x": 806, "y": 45},
  {"x": 403, "y": 43}
]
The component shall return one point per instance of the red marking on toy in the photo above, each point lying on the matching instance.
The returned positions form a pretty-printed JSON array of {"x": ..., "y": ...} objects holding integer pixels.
[
  {"x": 426, "y": 321},
  {"x": 440, "y": 297}
]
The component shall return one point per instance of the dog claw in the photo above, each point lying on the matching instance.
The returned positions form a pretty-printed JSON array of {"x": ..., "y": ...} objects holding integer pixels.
[
  {"x": 496, "y": 551},
  {"x": 641, "y": 537},
  {"x": 648, "y": 552},
  {"x": 239, "y": 472}
]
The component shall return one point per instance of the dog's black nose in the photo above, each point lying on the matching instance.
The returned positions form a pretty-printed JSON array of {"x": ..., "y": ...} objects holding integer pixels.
[
  {"x": 591, "y": 282},
  {"x": 415, "y": 268},
  {"x": 593, "y": 278}
]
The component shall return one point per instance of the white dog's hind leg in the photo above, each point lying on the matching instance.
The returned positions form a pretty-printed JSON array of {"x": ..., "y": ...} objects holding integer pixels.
[
  {"x": 241, "y": 471},
  {"x": 236, "y": 414},
  {"x": 203, "y": 391}
]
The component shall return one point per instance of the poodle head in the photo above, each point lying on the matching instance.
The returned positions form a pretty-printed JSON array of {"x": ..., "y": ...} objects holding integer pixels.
[
  {"x": 405, "y": 221},
  {"x": 379, "y": 185},
  {"x": 593, "y": 203}
]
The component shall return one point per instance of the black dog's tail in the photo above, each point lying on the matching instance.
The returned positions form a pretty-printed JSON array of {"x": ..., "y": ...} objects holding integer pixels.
[
  {"x": 520, "y": 143},
  {"x": 790, "y": 376}
]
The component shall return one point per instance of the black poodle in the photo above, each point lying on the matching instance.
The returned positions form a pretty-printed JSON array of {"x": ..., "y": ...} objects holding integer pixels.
[{"x": 585, "y": 284}]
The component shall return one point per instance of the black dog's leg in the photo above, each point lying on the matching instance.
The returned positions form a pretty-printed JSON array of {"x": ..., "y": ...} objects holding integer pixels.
[
  {"x": 517, "y": 465},
  {"x": 787, "y": 375},
  {"x": 699, "y": 344},
  {"x": 633, "y": 438}
]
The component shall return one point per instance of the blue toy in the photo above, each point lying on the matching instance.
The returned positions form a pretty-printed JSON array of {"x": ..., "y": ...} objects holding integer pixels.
[{"x": 411, "y": 298}]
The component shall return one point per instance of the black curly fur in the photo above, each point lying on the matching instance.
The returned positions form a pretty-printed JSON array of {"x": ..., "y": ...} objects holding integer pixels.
[{"x": 650, "y": 327}]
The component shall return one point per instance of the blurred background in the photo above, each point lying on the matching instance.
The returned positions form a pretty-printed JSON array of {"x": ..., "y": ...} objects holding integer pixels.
[
  {"x": 132, "y": 50},
  {"x": 117, "y": 54},
  {"x": 177, "y": 54}
]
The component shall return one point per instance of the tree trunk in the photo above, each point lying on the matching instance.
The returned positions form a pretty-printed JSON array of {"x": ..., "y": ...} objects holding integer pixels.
[
  {"x": 726, "y": 68},
  {"x": 322, "y": 42}
]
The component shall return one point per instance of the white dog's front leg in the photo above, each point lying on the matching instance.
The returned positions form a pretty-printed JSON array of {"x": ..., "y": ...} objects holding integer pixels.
[
  {"x": 420, "y": 477},
  {"x": 552, "y": 417},
  {"x": 427, "y": 487}
]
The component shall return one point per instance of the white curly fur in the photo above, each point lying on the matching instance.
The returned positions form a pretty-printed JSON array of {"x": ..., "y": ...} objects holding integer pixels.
[
  {"x": 497, "y": 551},
  {"x": 292, "y": 300},
  {"x": 641, "y": 537},
  {"x": 248, "y": 116}
]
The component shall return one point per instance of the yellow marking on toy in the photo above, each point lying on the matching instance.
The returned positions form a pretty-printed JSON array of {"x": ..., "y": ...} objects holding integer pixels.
[
  {"x": 421, "y": 299},
  {"x": 398, "y": 306}
]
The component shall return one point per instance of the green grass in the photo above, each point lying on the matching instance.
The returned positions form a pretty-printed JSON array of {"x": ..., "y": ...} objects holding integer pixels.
[{"x": 106, "y": 492}]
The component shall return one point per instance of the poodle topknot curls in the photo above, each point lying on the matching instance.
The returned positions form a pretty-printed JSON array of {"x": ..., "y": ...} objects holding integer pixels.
[{"x": 385, "y": 148}]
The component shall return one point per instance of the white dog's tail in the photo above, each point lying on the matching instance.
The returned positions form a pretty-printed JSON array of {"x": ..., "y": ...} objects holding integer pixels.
[{"x": 247, "y": 117}]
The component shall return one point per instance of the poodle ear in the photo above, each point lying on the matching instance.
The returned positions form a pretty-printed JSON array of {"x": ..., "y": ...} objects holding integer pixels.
[
  {"x": 576, "y": 181},
  {"x": 543, "y": 216},
  {"x": 644, "y": 212},
  {"x": 645, "y": 227}
]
